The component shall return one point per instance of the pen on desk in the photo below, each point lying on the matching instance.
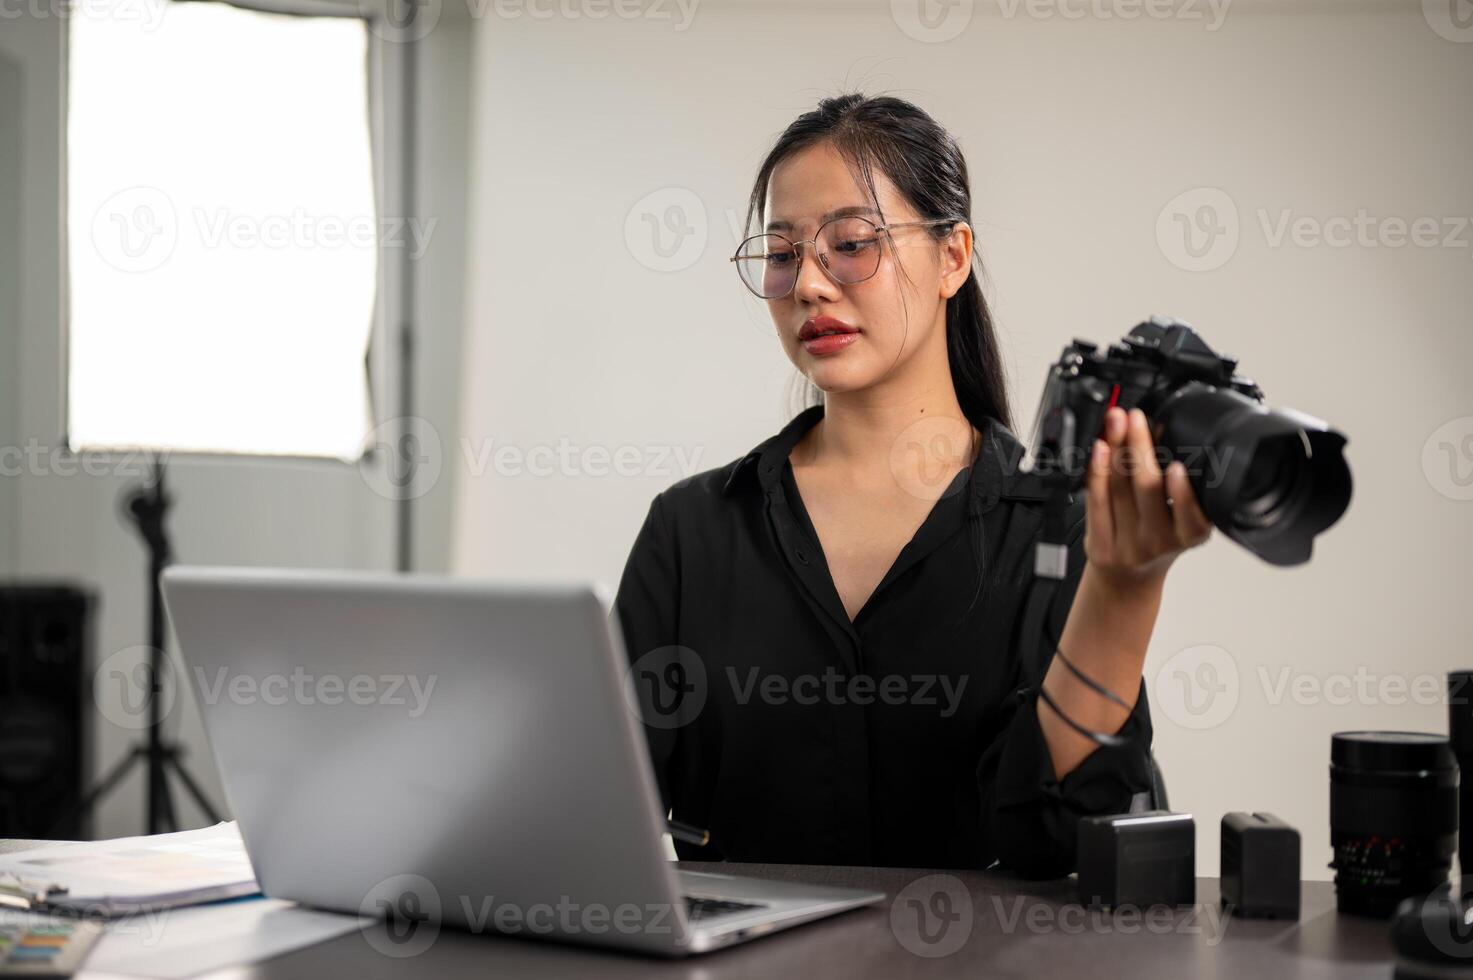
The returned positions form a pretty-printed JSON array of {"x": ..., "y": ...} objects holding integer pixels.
[
  {"x": 687, "y": 833},
  {"x": 18, "y": 893}
]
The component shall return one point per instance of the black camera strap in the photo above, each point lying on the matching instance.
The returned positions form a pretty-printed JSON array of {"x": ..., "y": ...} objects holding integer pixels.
[{"x": 1050, "y": 568}]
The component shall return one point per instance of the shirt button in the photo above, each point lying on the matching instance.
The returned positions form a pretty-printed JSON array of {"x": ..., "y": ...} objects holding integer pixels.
[{"x": 801, "y": 554}]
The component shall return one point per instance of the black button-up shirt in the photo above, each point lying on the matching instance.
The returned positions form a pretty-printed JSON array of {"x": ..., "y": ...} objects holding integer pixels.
[{"x": 908, "y": 737}]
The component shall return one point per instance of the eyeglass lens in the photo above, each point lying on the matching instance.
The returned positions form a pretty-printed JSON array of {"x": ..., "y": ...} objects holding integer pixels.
[{"x": 849, "y": 248}]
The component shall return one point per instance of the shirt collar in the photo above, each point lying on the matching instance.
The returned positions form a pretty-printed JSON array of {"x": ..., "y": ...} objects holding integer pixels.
[
  {"x": 998, "y": 464},
  {"x": 766, "y": 458}
]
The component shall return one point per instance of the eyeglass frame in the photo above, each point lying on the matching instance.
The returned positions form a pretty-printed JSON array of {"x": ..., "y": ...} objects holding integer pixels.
[{"x": 797, "y": 272}]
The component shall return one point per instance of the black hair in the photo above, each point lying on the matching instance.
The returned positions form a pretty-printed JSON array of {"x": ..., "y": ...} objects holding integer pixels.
[{"x": 926, "y": 166}]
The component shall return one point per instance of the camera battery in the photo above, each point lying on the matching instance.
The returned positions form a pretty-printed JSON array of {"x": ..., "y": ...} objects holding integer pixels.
[
  {"x": 1260, "y": 866},
  {"x": 1138, "y": 859}
]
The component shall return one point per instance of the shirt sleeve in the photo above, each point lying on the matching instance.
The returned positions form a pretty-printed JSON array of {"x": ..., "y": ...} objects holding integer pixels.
[
  {"x": 1033, "y": 817},
  {"x": 646, "y": 607}
]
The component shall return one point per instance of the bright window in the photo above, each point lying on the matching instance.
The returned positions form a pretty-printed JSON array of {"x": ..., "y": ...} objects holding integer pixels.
[{"x": 222, "y": 230}]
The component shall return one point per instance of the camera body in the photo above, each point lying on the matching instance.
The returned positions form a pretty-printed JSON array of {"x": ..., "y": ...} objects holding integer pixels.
[
  {"x": 1158, "y": 359},
  {"x": 1269, "y": 478}
]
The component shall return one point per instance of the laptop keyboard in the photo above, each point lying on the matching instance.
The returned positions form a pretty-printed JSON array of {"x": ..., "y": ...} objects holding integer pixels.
[{"x": 704, "y": 908}]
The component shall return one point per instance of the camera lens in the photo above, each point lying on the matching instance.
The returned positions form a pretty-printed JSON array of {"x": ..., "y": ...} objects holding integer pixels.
[
  {"x": 1460, "y": 736},
  {"x": 1393, "y": 817},
  {"x": 1273, "y": 484},
  {"x": 1270, "y": 479}
]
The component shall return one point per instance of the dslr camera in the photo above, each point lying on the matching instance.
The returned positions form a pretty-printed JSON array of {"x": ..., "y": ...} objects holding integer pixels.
[{"x": 1270, "y": 479}]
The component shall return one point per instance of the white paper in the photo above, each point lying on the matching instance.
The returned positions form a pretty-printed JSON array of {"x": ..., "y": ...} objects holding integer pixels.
[
  {"x": 175, "y": 943},
  {"x": 194, "y": 865}
]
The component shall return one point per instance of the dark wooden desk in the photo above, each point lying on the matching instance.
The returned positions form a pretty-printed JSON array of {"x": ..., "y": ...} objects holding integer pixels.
[{"x": 1015, "y": 929}]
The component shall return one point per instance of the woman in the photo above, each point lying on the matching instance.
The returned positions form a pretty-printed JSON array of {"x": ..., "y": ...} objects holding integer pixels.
[{"x": 823, "y": 633}]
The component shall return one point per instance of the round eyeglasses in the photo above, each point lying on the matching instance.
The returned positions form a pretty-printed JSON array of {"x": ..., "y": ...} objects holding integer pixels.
[{"x": 848, "y": 251}]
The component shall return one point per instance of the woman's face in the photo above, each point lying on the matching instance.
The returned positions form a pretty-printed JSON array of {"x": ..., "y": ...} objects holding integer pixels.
[{"x": 898, "y": 318}]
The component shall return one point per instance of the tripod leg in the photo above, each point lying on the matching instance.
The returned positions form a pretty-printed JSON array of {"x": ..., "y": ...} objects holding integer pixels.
[
  {"x": 200, "y": 800},
  {"x": 163, "y": 820},
  {"x": 88, "y": 803}
]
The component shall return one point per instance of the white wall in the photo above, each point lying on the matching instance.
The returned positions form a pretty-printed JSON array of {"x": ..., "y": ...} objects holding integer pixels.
[
  {"x": 56, "y": 525},
  {"x": 1079, "y": 133},
  {"x": 10, "y": 258}
]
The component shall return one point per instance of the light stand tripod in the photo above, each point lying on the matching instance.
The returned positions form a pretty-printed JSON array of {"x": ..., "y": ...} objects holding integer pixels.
[{"x": 148, "y": 506}]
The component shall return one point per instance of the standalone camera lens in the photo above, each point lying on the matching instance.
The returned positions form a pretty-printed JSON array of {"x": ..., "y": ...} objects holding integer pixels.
[
  {"x": 1460, "y": 735},
  {"x": 1393, "y": 817}
]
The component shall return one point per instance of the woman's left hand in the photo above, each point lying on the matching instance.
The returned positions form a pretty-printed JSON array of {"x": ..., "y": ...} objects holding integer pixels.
[{"x": 1138, "y": 519}]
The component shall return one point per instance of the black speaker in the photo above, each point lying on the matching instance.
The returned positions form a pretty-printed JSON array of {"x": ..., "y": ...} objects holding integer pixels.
[{"x": 45, "y": 650}]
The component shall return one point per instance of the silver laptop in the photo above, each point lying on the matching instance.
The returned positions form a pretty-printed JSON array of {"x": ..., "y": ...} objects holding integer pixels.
[{"x": 444, "y": 751}]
